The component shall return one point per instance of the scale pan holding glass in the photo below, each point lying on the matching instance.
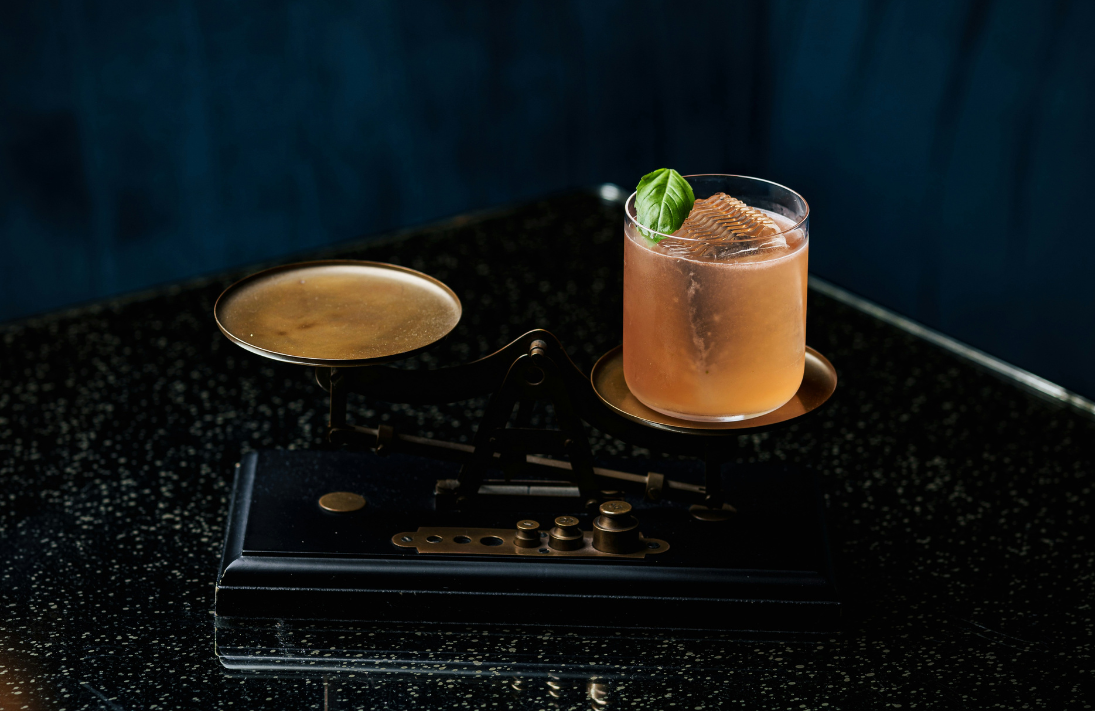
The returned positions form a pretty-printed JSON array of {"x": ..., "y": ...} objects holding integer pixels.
[{"x": 818, "y": 385}]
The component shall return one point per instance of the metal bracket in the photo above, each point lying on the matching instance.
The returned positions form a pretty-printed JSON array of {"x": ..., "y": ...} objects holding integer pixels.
[
  {"x": 654, "y": 484},
  {"x": 531, "y": 376},
  {"x": 385, "y": 438}
]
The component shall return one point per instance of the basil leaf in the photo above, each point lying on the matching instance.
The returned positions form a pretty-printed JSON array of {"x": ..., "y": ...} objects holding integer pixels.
[{"x": 662, "y": 202}]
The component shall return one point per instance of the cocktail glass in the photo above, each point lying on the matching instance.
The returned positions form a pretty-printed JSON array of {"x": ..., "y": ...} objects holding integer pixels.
[{"x": 715, "y": 329}]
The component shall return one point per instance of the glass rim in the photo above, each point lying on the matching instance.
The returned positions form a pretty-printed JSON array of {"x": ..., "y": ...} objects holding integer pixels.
[{"x": 630, "y": 202}]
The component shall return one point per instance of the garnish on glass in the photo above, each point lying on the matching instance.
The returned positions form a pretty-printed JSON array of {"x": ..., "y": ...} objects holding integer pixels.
[{"x": 662, "y": 203}]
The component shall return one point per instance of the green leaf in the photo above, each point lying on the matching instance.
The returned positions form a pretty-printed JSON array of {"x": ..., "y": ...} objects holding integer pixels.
[{"x": 662, "y": 202}]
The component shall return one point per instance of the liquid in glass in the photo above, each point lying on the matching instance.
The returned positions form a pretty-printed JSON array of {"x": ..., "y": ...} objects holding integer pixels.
[{"x": 714, "y": 333}]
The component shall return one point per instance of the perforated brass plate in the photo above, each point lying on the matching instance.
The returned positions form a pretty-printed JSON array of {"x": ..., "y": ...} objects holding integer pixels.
[
  {"x": 337, "y": 313},
  {"x": 818, "y": 385},
  {"x": 499, "y": 541}
]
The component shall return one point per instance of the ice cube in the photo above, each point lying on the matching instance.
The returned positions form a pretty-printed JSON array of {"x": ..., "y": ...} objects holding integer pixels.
[
  {"x": 722, "y": 218},
  {"x": 683, "y": 248},
  {"x": 723, "y": 227},
  {"x": 715, "y": 251}
]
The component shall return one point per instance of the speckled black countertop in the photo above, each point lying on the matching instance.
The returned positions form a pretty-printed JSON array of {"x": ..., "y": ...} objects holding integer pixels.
[{"x": 958, "y": 504}]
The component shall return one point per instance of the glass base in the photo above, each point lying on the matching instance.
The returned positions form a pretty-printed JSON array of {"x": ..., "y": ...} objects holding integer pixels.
[{"x": 701, "y": 418}]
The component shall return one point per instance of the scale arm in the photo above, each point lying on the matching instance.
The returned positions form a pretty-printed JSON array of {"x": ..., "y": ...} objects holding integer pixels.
[{"x": 451, "y": 384}]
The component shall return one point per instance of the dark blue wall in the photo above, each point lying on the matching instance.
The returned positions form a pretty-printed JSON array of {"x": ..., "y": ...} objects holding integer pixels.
[{"x": 946, "y": 148}]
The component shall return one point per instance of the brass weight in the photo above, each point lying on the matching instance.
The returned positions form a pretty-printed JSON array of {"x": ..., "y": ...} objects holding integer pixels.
[
  {"x": 616, "y": 530},
  {"x": 528, "y": 534},
  {"x": 566, "y": 536}
]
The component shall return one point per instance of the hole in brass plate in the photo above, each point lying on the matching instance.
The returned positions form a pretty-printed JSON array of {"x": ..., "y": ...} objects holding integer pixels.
[
  {"x": 433, "y": 539},
  {"x": 653, "y": 546},
  {"x": 545, "y": 550},
  {"x": 407, "y": 539},
  {"x": 491, "y": 541},
  {"x": 461, "y": 539}
]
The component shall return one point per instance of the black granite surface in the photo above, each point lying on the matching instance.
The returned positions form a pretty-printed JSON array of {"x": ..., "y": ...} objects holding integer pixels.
[{"x": 959, "y": 506}]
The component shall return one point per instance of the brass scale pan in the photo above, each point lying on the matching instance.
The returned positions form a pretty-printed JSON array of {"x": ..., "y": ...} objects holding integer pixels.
[{"x": 344, "y": 313}]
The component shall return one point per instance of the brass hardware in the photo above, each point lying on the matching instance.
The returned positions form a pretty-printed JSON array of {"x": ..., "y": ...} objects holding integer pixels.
[
  {"x": 616, "y": 530},
  {"x": 654, "y": 484},
  {"x": 566, "y": 536},
  {"x": 528, "y": 534},
  {"x": 342, "y": 502},
  {"x": 477, "y": 541},
  {"x": 337, "y": 312},
  {"x": 534, "y": 376},
  {"x": 818, "y": 384},
  {"x": 701, "y": 512},
  {"x": 385, "y": 436}
]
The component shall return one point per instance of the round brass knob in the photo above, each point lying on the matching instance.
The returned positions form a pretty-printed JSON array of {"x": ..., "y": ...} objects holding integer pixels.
[
  {"x": 528, "y": 534},
  {"x": 566, "y": 536},
  {"x": 342, "y": 502},
  {"x": 616, "y": 530}
]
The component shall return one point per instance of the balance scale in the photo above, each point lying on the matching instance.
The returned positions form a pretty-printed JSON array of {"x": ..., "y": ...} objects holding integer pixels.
[{"x": 520, "y": 527}]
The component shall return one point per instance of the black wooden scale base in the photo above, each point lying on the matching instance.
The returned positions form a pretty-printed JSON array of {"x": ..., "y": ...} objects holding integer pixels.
[{"x": 767, "y": 568}]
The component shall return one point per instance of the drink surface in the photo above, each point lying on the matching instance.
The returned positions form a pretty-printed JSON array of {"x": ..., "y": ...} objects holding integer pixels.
[{"x": 715, "y": 332}]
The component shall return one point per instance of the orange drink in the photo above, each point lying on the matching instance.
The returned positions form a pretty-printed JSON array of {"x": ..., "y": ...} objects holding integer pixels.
[{"x": 715, "y": 314}]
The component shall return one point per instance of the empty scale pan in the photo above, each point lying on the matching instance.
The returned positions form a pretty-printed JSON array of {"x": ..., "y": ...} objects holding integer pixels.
[{"x": 337, "y": 313}]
